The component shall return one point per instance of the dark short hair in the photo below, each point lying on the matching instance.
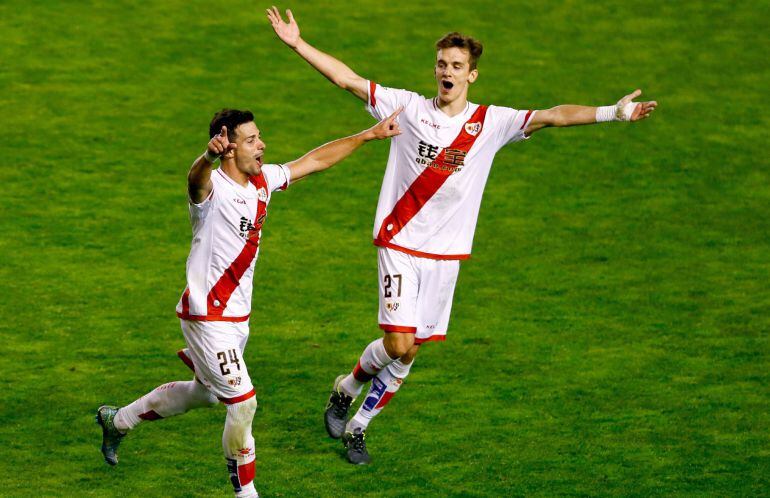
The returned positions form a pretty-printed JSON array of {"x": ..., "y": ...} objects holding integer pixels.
[
  {"x": 459, "y": 40},
  {"x": 232, "y": 119}
]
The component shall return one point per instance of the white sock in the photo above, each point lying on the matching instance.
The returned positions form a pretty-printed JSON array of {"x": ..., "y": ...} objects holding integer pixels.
[
  {"x": 372, "y": 361},
  {"x": 164, "y": 401},
  {"x": 383, "y": 387},
  {"x": 238, "y": 446}
]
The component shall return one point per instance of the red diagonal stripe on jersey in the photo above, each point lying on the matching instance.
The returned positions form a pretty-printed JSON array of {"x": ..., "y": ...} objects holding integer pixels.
[
  {"x": 427, "y": 183},
  {"x": 228, "y": 282}
]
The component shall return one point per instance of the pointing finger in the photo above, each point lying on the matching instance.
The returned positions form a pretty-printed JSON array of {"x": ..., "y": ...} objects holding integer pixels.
[
  {"x": 395, "y": 114},
  {"x": 223, "y": 133}
]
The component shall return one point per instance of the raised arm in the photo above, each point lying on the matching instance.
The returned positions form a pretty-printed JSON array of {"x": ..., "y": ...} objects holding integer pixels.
[
  {"x": 199, "y": 178},
  {"x": 572, "y": 115},
  {"x": 334, "y": 70},
  {"x": 328, "y": 155}
]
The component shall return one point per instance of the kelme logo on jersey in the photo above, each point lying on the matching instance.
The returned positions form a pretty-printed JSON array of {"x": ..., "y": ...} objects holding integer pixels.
[{"x": 473, "y": 129}]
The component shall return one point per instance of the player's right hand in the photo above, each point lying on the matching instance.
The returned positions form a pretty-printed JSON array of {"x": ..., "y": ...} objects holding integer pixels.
[
  {"x": 220, "y": 144},
  {"x": 287, "y": 32},
  {"x": 386, "y": 128}
]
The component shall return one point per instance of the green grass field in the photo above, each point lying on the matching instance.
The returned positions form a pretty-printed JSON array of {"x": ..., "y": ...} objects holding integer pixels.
[{"x": 609, "y": 336}]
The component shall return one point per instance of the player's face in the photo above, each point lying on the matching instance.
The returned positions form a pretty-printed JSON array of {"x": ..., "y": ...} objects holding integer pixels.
[
  {"x": 251, "y": 148},
  {"x": 453, "y": 73}
]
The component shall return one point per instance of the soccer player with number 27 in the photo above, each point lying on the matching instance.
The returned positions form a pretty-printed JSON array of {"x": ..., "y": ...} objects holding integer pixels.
[{"x": 428, "y": 206}]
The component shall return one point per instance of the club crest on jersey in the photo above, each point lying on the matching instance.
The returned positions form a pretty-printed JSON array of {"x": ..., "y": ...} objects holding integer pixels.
[
  {"x": 262, "y": 194},
  {"x": 473, "y": 129},
  {"x": 391, "y": 306}
]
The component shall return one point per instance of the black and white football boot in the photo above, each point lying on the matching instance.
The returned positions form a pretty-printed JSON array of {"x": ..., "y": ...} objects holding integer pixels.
[
  {"x": 111, "y": 436},
  {"x": 355, "y": 444},
  {"x": 336, "y": 414}
]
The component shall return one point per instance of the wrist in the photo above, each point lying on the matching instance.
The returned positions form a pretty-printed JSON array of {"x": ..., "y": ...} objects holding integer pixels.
[
  {"x": 367, "y": 135},
  {"x": 210, "y": 156},
  {"x": 606, "y": 113},
  {"x": 296, "y": 46}
]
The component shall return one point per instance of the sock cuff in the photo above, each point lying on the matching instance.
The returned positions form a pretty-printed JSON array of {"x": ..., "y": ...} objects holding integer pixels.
[
  {"x": 380, "y": 354},
  {"x": 399, "y": 370}
]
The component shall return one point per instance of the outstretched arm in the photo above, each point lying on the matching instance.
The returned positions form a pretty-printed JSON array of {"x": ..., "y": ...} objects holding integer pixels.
[
  {"x": 199, "y": 178},
  {"x": 573, "y": 115},
  {"x": 328, "y": 155},
  {"x": 334, "y": 70}
]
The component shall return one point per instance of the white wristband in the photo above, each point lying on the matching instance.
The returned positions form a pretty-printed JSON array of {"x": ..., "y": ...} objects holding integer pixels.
[
  {"x": 210, "y": 157},
  {"x": 606, "y": 113},
  {"x": 617, "y": 112}
]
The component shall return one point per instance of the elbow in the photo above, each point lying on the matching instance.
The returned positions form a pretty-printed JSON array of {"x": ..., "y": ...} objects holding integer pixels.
[
  {"x": 557, "y": 118},
  {"x": 344, "y": 83}
]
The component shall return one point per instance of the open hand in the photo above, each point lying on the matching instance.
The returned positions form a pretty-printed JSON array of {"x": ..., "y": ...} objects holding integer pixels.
[
  {"x": 628, "y": 110},
  {"x": 386, "y": 128},
  {"x": 287, "y": 32}
]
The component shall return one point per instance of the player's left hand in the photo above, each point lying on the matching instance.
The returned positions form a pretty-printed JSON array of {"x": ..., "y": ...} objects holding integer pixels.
[
  {"x": 628, "y": 110},
  {"x": 288, "y": 32},
  {"x": 386, "y": 128}
]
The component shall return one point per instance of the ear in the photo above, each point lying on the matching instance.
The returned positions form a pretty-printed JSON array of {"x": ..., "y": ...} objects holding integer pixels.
[{"x": 473, "y": 75}]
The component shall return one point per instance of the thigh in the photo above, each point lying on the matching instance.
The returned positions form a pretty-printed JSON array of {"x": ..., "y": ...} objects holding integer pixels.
[
  {"x": 434, "y": 301},
  {"x": 398, "y": 285},
  {"x": 216, "y": 349}
]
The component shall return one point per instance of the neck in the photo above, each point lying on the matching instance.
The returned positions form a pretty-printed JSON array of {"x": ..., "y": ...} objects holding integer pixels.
[
  {"x": 238, "y": 176},
  {"x": 454, "y": 107}
]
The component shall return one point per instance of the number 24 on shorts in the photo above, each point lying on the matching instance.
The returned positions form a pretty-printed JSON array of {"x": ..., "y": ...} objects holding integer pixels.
[{"x": 222, "y": 356}]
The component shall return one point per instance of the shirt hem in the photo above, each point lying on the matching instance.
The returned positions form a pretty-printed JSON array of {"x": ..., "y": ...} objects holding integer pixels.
[
  {"x": 420, "y": 254},
  {"x": 212, "y": 318}
]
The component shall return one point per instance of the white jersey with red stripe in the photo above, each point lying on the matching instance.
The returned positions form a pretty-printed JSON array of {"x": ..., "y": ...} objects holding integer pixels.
[
  {"x": 227, "y": 229},
  {"x": 437, "y": 169}
]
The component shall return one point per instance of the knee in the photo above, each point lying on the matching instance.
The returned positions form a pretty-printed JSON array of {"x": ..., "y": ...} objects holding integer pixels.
[
  {"x": 397, "y": 345},
  {"x": 242, "y": 413},
  {"x": 408, "y": 357}
]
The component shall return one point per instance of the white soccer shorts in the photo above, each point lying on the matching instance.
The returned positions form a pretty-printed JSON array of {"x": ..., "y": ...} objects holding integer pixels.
[
  {"x": 216, "y": 350},
  {"x": 415, "y": 294}
]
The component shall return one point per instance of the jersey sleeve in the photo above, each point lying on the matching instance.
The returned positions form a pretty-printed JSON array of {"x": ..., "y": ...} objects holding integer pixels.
[
  {"x": 383, "y": 101},
  {"x": 511, "y": 124},
  {"x": 199, "y": 211},
  {"x": 277, "y": 176}
]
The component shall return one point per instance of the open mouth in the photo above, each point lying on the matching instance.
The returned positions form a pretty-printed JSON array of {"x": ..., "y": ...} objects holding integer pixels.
[
  {"x": 447, "y": 85},
  {"x": 259, "y": 161}
]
